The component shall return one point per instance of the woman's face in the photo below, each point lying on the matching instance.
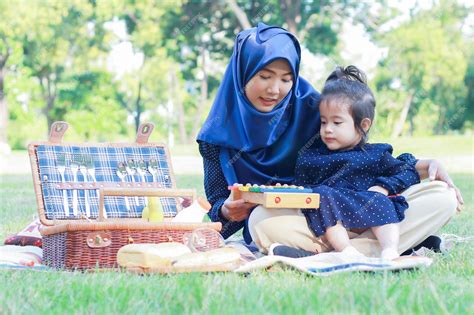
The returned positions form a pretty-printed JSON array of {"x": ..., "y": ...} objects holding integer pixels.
[{"x": 269, "y": 86}]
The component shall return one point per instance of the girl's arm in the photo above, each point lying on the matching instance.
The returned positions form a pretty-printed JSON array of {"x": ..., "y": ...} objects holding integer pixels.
[
  {"x": 434, "y": 170},
  {"x": 215, "y": 186},
  {"x": 397, "y": 174}
]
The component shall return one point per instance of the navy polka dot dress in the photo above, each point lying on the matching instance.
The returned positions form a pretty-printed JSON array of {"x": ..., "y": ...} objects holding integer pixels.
[{"x": 342, "y": 179}]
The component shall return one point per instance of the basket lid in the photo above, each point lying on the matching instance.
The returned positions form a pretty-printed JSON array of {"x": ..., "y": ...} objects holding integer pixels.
[{"x": 56, "y": 164}]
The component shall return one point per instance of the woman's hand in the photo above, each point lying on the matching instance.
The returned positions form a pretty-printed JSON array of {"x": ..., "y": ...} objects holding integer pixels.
[
  {"x": 236, "y": 210},
  {"x": 434, "y": 170},
  {"x": 379, "y": 189}
]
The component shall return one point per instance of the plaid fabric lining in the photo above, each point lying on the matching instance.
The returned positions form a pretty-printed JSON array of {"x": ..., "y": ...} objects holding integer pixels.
[{"x": 105, "y": 161}]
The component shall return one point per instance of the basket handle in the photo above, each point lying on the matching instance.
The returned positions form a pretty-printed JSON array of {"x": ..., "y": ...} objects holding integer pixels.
[
  {"x": 142, "y": 192},
  {"x": 58, "y": 128},
  {"x": 143, "y": 133}
]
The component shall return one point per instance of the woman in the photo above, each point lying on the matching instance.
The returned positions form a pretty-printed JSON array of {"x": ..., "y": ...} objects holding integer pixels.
[{"x": 263, "y": 115}]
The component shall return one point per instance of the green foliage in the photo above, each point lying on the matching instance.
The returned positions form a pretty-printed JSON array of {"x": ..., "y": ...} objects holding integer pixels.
[
  {"x": 146, "y": 87},
  {"x": 387, "y": 109},
  {"x": 426, "y": 62},
  {"x": 469, "y": 82},
  {"x": 88, "y": 102},
  {"x": 60, "y": 40},
  {"x": 26, "y": 119},
  {"x": 58, "y": 51}
]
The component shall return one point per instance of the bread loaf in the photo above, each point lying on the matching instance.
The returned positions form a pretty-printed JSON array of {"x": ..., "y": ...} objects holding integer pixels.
[
  {"x": 213, "y": 257},
  {"x": 150, "y": 255}
]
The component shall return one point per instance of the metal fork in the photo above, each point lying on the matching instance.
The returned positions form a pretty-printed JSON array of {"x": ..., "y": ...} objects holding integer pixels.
[
  {"x": 74, "y": 165},
  {"x": 141, "y": 169},
  {"x": 91, "y": 171},
  {"x": 82, "y": 169},
  {"x": 89, "y": 163},
  {"x": 153, "y": 168},
  {"x": 61, "y": 166},
  {"x": 122, "y": 173},
  {"x": 131, "y": 168}
]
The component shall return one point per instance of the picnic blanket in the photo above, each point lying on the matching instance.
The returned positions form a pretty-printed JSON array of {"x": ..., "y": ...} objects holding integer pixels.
[
  {"x": 21, "y": 257},
  {"x": 326, "y": 264}
]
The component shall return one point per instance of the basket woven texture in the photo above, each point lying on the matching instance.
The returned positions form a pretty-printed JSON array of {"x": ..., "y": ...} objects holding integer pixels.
[{"x": 70, "y": 250}]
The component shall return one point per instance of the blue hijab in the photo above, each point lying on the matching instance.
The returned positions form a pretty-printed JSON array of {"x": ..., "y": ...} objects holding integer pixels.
[{"x": 257, "y": 147}]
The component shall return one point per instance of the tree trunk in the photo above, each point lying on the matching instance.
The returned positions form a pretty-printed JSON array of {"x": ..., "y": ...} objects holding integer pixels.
[
  {"x": 290, "y": 10},
  {"x": 397, "y": 130},
  {"x": 240, "y": 14},
  {"x": 411, "y": 130},
  {"x": 179, "y": 106},
  {"x": 439, "y": 125},
  {"x": 49, "y": 96},
  {"x": 138, "y": 105},
  {"x": 49, "y": 106},
  {"x": 203, "y": 98}
]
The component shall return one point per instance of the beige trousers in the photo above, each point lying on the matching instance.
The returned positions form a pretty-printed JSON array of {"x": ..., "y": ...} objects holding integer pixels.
[{"x": 431, "y": 205}]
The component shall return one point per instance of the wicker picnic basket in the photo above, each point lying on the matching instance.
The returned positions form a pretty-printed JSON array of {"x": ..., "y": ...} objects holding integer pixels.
[{"x": 91, "y": 204}]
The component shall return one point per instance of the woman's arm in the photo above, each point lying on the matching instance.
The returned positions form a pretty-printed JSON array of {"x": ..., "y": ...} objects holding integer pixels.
[
  {"x": 217, "y": 194},
  {"x": 434, "y": 170}
]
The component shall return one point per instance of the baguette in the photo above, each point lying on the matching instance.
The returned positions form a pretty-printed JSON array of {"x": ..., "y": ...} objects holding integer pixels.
[
  {"x": 150, "y": 255},
  {"x": 211, "y": 258}
]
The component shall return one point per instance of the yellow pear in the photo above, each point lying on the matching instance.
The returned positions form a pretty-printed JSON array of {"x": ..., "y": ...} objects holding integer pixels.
[
  {"x": 145, "y": 213},
  {"x": 155, "y": 210}
]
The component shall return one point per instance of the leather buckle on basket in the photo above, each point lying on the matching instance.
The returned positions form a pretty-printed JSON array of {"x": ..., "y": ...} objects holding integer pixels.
[
  {"x": 130, "y": 238},
  {"x": 98, "y": 240}
]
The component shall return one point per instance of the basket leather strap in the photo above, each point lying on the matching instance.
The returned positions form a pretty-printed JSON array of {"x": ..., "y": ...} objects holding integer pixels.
[
  {"x": 144, "y": 132},
  {"x": 58, "y": 128}
]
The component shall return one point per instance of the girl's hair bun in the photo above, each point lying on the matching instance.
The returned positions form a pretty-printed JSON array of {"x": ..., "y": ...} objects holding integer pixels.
[{"x": 351, "y": 73}]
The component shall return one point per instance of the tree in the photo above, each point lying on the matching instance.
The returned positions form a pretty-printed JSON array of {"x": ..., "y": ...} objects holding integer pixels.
[
  {"x": 146, "y": 87},
  {"x": 203, "y": 32},
  {"x": 469, "y": 82},
  {"x": 88, "y": 101},
  {"x": 11, "y": 28},
  {"x": 62, "y": 38},
  {"x": 317, "y": 24},
  {"x": 425, "y": 61}
]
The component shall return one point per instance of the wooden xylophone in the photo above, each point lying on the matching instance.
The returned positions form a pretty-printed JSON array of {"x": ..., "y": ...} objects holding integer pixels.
[{"x": 278, "y": 196}]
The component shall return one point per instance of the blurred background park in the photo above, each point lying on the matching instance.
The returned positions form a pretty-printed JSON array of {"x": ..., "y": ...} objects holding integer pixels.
[{"x": 105, "y": 66}]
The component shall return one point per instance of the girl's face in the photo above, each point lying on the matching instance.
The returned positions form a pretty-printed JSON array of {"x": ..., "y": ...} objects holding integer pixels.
[
  {"x": 338, "y": 131},
  {"x": 269, "y": 86}
]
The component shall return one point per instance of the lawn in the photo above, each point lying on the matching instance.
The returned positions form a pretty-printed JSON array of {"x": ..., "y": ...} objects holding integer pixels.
[{"x": 446, "y": 287}]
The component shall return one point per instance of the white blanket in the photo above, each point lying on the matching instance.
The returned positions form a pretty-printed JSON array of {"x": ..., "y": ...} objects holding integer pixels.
[
  {"x": 28, "y": 256},
  {"x": 325, "y": 264}
]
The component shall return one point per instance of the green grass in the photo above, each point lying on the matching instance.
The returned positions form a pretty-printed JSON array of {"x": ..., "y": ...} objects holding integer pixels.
[
  {"x": 445, "y": 287},
  {"x": 429, "y": 146},
  {"x": 436, "y": 147}
]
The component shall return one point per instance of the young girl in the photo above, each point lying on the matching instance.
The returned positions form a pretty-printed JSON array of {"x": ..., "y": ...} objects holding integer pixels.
[{"x": 358, "y": 182}]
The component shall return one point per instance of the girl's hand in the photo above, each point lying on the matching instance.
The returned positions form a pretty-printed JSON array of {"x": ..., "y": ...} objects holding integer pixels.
[
  {"x": 236, "y": 210},
  {"x": 379, "y": 189},
  {"x": 434, "y": 170}
]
